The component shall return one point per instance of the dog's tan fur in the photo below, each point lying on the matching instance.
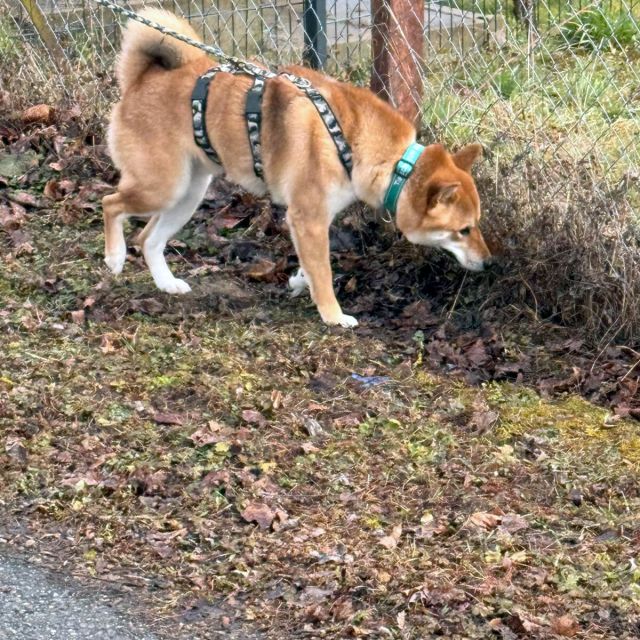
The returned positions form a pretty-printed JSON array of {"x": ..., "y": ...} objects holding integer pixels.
[{"x": 165, "y": 175}]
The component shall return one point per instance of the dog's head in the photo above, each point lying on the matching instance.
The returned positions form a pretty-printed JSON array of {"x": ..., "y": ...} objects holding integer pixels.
[{"x": 439, "y": 205}]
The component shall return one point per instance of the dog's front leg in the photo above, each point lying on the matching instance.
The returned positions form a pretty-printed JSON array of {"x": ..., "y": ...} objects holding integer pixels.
[{"x": 310, "y": 233}]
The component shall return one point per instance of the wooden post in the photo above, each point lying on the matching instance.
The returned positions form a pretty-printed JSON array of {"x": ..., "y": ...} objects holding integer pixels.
[
  {"x": 398, "y": 49},
  {"x": 48, "y": 37}
]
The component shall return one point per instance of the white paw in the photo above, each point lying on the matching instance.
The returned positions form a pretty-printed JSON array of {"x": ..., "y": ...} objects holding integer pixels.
[
  {"x": 115, "y": 262},
  {"x": 298, "y": 283},
  {"x": 343, "y": 320},
  {"x": 174, "y": 286}
]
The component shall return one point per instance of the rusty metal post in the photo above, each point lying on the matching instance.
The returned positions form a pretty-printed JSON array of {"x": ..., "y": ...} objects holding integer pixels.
[{"x": 398, "y": 50}]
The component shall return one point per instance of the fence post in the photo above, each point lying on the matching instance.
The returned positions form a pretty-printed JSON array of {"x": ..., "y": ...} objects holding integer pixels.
[
  {"x": 315, "y": 33},
  {"x": 48, "y": 37},
  {"x": 398, "y": 49},
  {"x": 523, "y": 10}
]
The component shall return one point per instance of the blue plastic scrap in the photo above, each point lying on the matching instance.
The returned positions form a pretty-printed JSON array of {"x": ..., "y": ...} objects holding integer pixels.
[{"x": 369, "y": 381}]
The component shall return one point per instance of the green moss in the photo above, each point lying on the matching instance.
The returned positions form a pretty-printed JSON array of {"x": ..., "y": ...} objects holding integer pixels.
[{"x": 578, "y": 427}]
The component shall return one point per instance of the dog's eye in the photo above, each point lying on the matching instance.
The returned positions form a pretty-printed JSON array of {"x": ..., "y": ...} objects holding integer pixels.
[{"x": 465, "y": 232}]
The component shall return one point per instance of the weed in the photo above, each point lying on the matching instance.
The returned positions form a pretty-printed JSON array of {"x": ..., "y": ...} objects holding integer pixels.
[{"x": 596, "y": 28}]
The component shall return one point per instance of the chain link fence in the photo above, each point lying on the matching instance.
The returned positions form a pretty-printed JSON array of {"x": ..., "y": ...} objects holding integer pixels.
[
  {"x": 550, "y": 87},
  {"x": 558, "y": 77}
]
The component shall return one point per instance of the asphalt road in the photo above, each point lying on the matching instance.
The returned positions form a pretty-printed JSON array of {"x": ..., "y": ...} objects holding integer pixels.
[{"x": 36, "y": 604}]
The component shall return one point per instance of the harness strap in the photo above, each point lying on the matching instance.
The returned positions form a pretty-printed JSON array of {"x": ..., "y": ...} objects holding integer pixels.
[
  {"x": 199, "y": 98},
  {"x": 328, "y": 117},
  {"x": 253, "y": 114},
  {"x": 333, "y": 127},
  {"x": 235, "y": 65}
]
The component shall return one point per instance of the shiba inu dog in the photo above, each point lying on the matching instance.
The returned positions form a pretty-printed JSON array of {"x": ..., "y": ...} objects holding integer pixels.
[{"x": 164, "y": 173}]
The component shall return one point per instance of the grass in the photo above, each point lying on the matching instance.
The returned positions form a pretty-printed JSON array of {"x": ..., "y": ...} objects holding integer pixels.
[
  {"x": 141, "y": 434},
  {"x": 595, "y": 28},
  {"x": 580, "y": 106}
]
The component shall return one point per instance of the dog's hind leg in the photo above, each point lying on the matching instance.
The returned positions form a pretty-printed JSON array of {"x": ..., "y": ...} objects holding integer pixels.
[
  {"x": 131, "y": 200},
  {"x": 115, "y": 247},
  {"x": 165, "y": 224},
  {"x": 298, "y": 283}
]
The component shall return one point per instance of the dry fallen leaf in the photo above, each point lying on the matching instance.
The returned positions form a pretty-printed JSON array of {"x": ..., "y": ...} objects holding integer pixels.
[
  {"x": 89, "y": 479},
  {"x": 484, "y": 520},
  {"x": 566, "y": 626},
  {"x": 253, "y": 417},
  {"x": 24, "y": 198},
  {"x": 342, "y": 609},
  {"x": 429, "y": 527},
  {"x": 513, "y": 522},
  {"x": 260, "y": 513},
  {"x": 351, "y": 285},
  {"x": 21, "y": 241},
  {"x": 495, "y": 623},
  {"x": 59, "y": 165},
  {"x": 38, "y": 114},
  {"x": 276, "y": 398},
  {"x": 280, "y": 520},
  {"x": 261, "y": 269},
  {"x": 482, "y": 421},
  {"x": 209, "y": 434},
  {"x": 215, "y": 478},
  {"x": 383, "y": 577},
  {"x": 78, "y": 316},
  {"x": 106, "y": 344},
  {"x": 316, "y": 613},
  {"x": 52, "y": 190},
  {"x": 348, "y": 420},
  {"x": 168, "y": 418},
  {"x": 12, "y": 216},
  {"x": 15, "y": 449},
  {"x": 307, "y": 447},
  {"x": 477, "y": 353},
  {"x": 521, "y": 624},
  {"x": 391, "y": 541}
]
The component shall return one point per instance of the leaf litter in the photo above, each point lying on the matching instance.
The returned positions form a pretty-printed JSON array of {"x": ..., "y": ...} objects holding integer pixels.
[{"x": 165, "y": 442}]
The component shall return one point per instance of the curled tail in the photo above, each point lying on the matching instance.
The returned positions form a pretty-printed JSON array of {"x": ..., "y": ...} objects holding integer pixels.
[{"x": 143, "y": 47}]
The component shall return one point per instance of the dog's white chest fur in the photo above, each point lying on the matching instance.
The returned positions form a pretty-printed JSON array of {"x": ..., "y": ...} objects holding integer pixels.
[{"x": 339, "y": 197}]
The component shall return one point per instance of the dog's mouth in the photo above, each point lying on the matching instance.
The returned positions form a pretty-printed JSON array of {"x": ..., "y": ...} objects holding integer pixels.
[
  {"x": 466, "y": 257},
  {"x": 473, "y": 265}
]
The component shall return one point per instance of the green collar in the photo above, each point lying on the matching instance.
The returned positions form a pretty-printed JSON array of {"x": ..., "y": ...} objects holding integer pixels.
[{"x": 401, "y": 172}]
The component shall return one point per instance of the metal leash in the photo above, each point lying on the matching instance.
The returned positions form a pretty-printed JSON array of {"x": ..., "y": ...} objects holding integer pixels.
[
  {"x": 248, "y": 67},
  {"x": 322, "y": 106}
]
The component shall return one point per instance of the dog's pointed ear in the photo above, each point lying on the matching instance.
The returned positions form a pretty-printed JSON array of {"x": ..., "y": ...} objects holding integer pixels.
[
  {"x": 441, "y": 193},
  {"x": 465, "y": 157}
]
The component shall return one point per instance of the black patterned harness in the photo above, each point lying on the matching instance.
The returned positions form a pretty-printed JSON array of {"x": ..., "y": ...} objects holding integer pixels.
[{"x": 253, "y": 115}]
